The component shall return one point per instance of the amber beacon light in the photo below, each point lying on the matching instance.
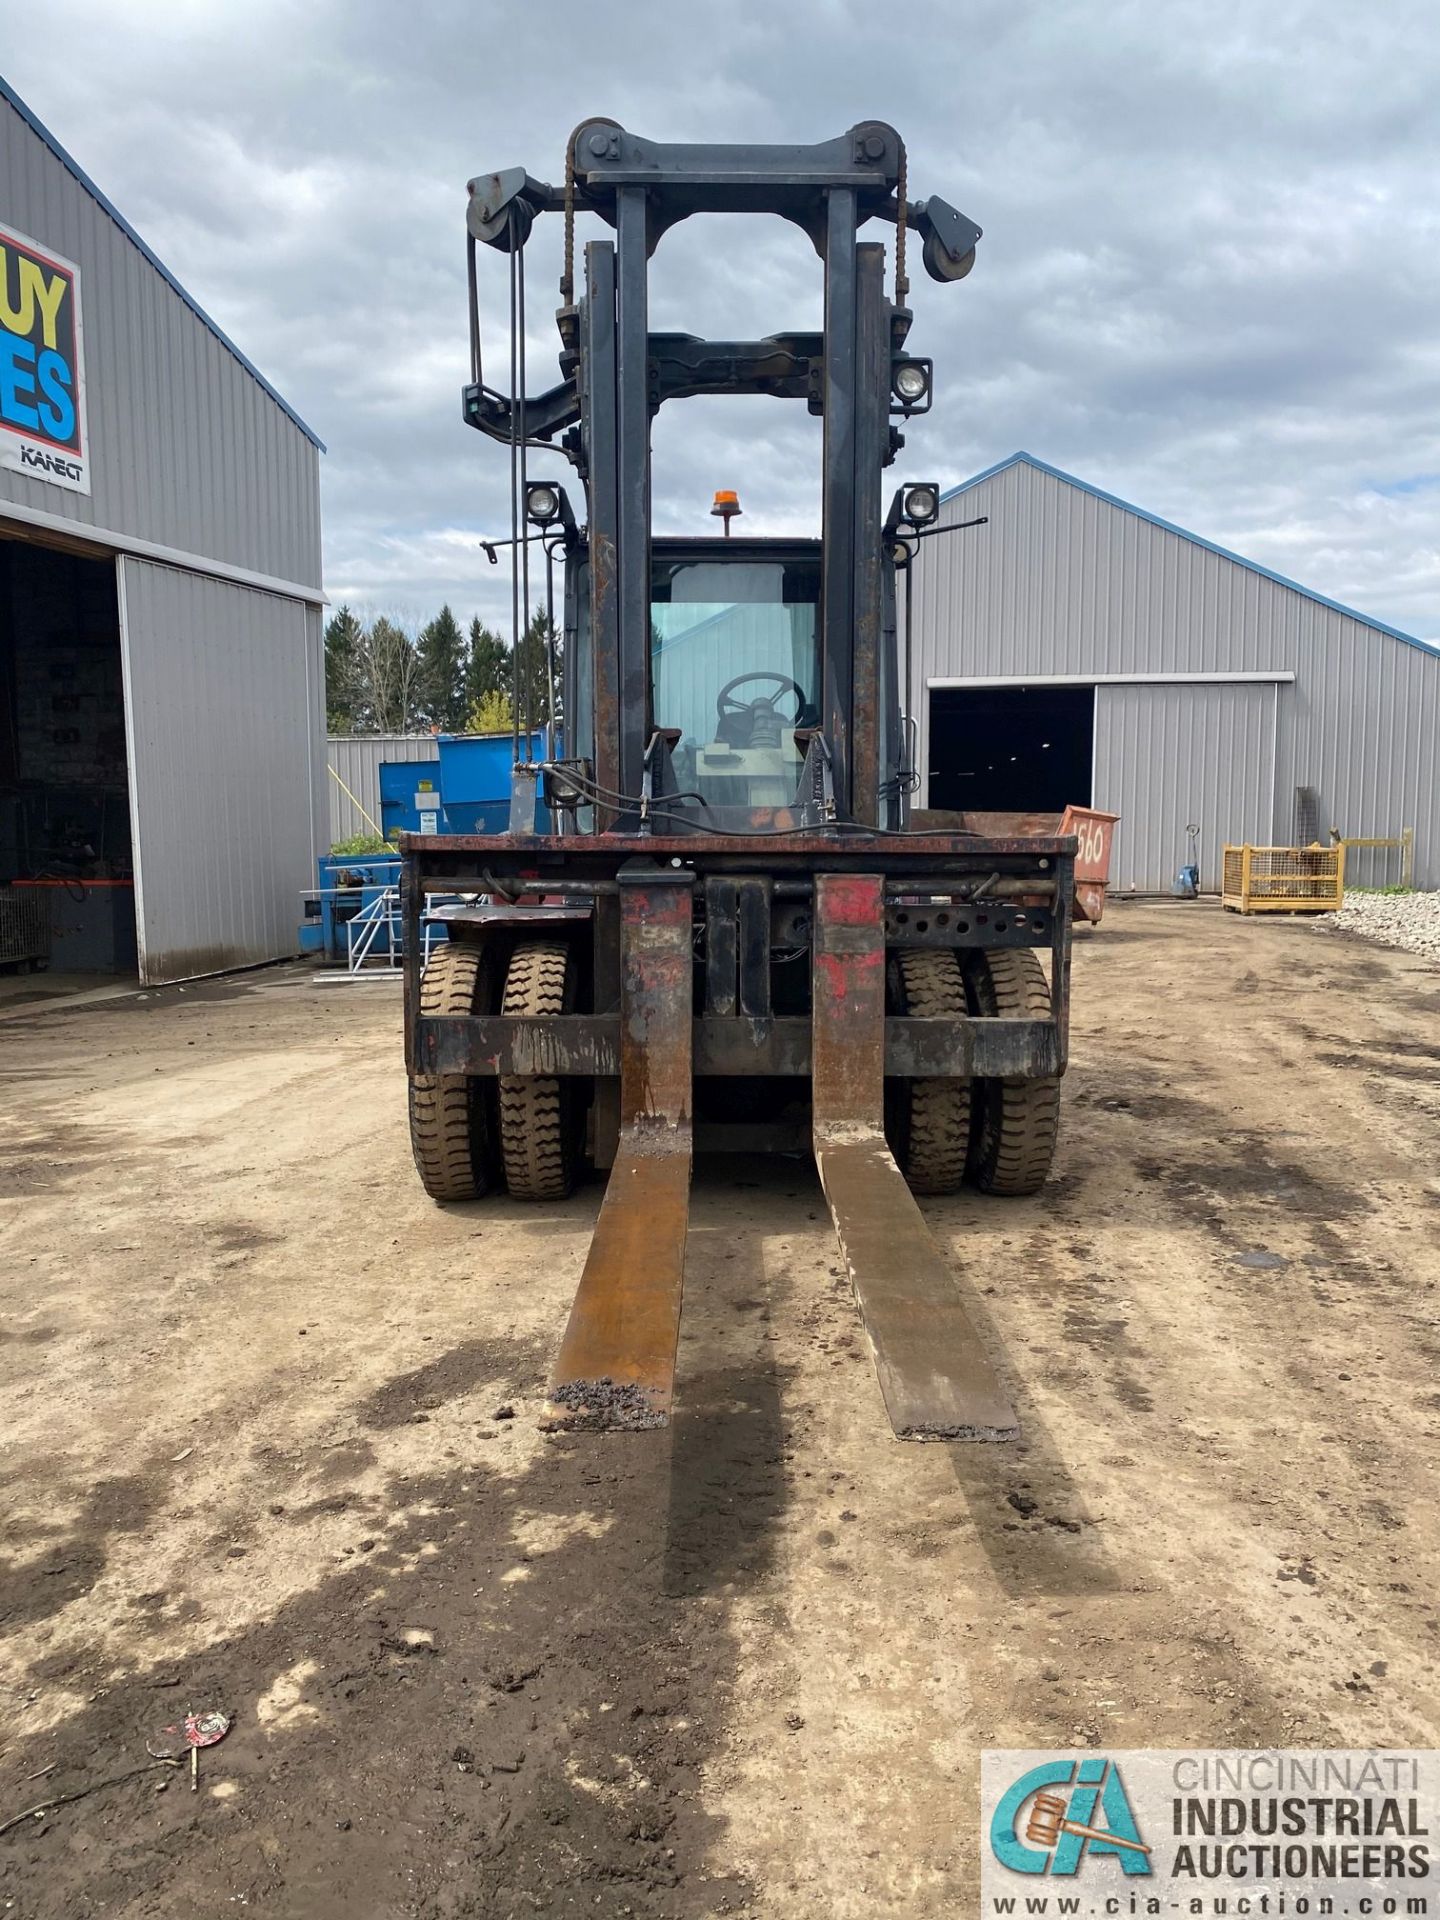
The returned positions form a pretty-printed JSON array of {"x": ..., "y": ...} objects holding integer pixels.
[{"x": 727, "y": 507}]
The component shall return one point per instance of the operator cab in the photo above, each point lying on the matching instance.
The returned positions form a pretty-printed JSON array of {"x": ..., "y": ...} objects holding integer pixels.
[
  {"x": 735, "y": 664},
  {"x": 735, "y": 674}
]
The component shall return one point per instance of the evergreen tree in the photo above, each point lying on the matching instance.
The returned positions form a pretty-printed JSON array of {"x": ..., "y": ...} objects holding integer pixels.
[
  {"x": 532, "y": 681},
  {"x": 440, "y": 693},
  {"x": 487, "y": 666},
  {"x": 343, "y": 692}
]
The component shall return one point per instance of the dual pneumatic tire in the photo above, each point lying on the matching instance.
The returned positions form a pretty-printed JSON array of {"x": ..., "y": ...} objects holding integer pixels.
[
  {"x": 1016, "y": 1121},
  {"x": 450, "y": 1127},
  {"x": 538, "y": 1133},
  {"x": 464, "y": 1130},
  {"x": 929, "y": 1120},
  {"x": 1001, "y": 1133}
]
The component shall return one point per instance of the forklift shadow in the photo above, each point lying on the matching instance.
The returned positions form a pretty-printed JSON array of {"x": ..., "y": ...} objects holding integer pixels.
[
  {"x": 1029, "y": 1513},
  {"x": 727, "y": 1482},
  {"x": 727, "y": 1471}
]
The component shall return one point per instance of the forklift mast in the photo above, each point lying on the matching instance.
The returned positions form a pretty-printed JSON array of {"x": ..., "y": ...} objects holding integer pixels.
[{"x": 616, "y": 374}]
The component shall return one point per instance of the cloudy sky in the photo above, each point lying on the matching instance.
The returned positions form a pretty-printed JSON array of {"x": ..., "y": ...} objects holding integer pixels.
[{"x": 1210, "y": 277}]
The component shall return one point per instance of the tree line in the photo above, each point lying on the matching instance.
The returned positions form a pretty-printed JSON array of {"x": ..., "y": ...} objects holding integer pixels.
[{"x": 379, "y": 678}]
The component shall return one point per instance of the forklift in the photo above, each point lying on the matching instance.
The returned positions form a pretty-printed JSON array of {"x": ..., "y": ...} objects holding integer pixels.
[{"x": 715, "y": 921}]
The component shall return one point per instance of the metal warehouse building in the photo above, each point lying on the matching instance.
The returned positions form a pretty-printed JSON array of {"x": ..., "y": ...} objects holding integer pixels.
[
  {"x": 162, "y": 758},
  {"x": 1076, "y": 648}
]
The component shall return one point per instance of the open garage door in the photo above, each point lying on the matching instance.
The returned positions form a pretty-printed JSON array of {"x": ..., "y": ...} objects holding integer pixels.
[
  {"x": 1011, "y": 748},
  {"x": 225, "y": 805},
  {"x": 1170, "y": 755},
  {"x": 66, "y": 892}
]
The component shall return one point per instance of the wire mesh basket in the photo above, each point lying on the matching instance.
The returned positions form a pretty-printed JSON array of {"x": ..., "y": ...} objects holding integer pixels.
[
  {"x": 24, "y": 926},
  {"x": 1284, "y": 879}
]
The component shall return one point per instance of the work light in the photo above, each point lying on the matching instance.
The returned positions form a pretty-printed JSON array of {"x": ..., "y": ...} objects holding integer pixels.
[
  {"x": 912, "y": 382},
  {"x": 542, "y": 502},
  {"x": 921, "y": 504}
]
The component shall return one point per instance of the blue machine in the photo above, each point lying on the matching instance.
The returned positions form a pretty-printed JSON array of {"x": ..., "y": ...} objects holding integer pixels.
[
  {"x": 349, "y": 889},
  {"x": 352, "y": 889},
  {"x": 1187, "y": 880}
]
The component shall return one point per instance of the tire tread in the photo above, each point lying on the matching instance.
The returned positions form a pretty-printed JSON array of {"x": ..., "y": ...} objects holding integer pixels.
[
  {"x": 935, "y": 1130},
  {"x": 1017, "y": 1121},
  {"x": 536, "y": 1136},
  {"x": 445, "y": 1121}
]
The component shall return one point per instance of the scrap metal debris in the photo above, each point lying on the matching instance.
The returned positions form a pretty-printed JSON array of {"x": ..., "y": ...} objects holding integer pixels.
[{"x": 605, "y": 1406}]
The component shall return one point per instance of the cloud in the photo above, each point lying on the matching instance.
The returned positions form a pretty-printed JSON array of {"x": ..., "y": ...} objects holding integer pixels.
[{"x": 1208, "y": 281}]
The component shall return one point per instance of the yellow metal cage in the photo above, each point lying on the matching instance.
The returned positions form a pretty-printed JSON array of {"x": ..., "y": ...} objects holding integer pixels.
[{"x": 1284, "y": 879}]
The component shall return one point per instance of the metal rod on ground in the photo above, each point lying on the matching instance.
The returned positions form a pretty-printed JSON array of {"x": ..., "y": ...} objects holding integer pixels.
[{"x": 80, "y": 1793}]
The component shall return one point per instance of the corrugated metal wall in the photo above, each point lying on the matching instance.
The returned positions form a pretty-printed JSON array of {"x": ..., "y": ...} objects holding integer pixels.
[
  {"x": 224, "y": 712},
  {"x": 187, "y": 449},
  {"x": 1062, "y": 582},
  {"x": 1174, "y": 756},
  {"x": 355, "y": 758}
]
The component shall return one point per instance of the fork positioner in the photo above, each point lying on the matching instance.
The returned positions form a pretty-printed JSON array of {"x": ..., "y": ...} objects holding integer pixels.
[{"x": 726, "y": 928}]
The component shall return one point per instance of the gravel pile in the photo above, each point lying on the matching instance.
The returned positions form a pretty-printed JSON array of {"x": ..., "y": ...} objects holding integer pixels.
[{"x": 1408, "y": 920}]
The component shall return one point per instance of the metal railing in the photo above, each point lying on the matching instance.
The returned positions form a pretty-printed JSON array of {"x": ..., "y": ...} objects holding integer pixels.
[{"x": 383, "y": 915}]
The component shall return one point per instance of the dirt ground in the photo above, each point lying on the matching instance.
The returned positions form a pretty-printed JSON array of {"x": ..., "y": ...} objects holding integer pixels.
[{"x": 272, "y": 1443}]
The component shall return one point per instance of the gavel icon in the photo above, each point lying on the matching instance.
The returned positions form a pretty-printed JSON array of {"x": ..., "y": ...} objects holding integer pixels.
[{"x": 1047, "y": 1822}]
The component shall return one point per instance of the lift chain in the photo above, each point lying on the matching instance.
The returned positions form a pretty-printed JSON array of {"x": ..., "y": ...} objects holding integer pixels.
[{"x": 567, "y": 277}]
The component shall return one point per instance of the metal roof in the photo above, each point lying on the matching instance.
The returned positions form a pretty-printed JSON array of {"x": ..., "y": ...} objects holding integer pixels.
[
  {"x": 73, "y": 167},
  {"x": 1168, "y": 526}
]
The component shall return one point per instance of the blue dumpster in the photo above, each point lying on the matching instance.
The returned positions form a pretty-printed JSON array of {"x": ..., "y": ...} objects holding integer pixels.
[
  {"x": 400, "y": 783},
  {"x": 475, "y": 771}
]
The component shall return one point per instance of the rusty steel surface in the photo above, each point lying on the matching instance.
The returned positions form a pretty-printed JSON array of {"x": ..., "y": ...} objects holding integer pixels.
[
  {"x": 851, "y": 849},
  {"x": 1092, "y": 829},
  {"x": 586, "y": 1044},
  {"x": 847, "y": 1042},
  {"x": 1094, "y": 834},
  {"x": 933, "y": 1372},
  {"x": 616, "y": 1370}
]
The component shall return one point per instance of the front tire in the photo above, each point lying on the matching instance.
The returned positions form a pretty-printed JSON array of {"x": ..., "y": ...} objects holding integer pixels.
[
  {"x": 449, "y": 1136},
  {"x": 928, "y": 1121},
  {"x": 1016, "y": 1121},
  {"x": 538, "y": 1140}
]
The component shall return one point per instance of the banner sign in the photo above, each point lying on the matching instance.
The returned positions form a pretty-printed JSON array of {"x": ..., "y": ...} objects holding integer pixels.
[
  {"x": 1287, "y": 1833},
  {"x": 42, "y": 372}
]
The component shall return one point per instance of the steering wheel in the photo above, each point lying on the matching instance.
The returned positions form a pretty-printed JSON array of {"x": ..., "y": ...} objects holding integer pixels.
[{"x": 728, "y": 707}]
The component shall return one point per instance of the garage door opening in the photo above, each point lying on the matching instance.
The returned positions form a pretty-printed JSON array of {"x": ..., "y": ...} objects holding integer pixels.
[
  {"x": 1007, "y": 749},
  {"x": 67, "y": 895}
]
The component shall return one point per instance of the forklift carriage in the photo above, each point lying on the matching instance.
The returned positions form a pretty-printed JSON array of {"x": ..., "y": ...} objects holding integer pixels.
[{"x": 736, "y": 933}]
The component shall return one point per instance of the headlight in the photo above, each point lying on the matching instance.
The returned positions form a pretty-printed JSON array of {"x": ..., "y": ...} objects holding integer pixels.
[
  {"x": 921, "y": 504},
  {"x": 912, "y": 382},
  {"x": 542, "y": 503}
]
